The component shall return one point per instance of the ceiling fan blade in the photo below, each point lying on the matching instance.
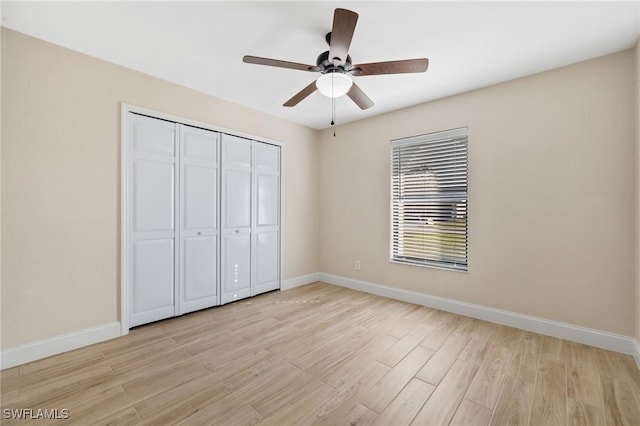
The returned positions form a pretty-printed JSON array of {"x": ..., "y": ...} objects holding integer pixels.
[
  {"x": 391, "y": 67},
  {"x": 344, "y": 24},
  {"x": 301, "y": 95},
  {"x": 278, "y": 63},
  {"x": 359, "y": 97}
]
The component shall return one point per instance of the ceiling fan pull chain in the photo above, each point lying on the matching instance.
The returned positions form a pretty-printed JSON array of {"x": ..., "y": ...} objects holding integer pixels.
[
  {"x": 333, "y": 123},
  {"x": 333, "y": 109}
]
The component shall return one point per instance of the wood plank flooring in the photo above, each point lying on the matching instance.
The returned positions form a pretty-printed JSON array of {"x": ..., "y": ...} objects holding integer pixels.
[{"x": 324, "y": 355}]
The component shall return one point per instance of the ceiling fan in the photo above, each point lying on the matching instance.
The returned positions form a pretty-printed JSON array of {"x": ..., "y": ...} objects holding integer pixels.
[{"x": 336, "y": 68}]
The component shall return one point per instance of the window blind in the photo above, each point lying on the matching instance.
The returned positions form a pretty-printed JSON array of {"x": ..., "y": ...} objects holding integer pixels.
[{"x": 429, "y": 200}]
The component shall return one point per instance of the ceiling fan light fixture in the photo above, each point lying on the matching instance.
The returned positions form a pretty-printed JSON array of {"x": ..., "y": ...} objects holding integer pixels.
[{"x": 334, "y": 84}]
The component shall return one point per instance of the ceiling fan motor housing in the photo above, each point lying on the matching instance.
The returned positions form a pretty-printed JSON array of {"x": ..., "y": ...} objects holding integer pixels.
[{"x": 327, "y": 66}]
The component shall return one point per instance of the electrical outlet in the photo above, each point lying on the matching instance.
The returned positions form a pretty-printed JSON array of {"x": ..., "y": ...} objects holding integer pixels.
[{"x": 356, "y": 265}]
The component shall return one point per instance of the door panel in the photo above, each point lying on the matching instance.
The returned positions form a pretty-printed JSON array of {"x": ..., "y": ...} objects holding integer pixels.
[
  {"x": 153, "y": 137},
  {"x": 152, "y": 290},
  {"x": 268, "y": 200},
  {"x": 267, "y": 159},
  {"x": 200, "y": 185},
  {"x": 236, "y": 218},
  {"x": 198, "y": 287},
  {"x": 199, "y": 144},
  {"x": 236, "y": 152},
  {"x": 267, "y": 218},
  {"x": 152, "y": 196},
  {"x": 267, "y": 264},
  {"x": 237, "y": 199},
  {"x": 199, "y": 271},
  {"x": 237, "y": 267}
]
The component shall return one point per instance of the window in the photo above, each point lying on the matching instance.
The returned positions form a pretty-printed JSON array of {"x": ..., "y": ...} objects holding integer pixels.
[{"x": 429, "y": 200}]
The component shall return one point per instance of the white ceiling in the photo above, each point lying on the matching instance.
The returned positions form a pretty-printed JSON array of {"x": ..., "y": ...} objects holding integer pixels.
[{"x": 200, "y": 44}]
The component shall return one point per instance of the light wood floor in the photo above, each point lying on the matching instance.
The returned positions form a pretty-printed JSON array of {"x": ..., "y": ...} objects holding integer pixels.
[{"x": 321, "y": 354}]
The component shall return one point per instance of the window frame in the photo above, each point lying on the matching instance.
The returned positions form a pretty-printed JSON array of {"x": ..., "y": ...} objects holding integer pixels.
[{"x": 458, "y": 137}]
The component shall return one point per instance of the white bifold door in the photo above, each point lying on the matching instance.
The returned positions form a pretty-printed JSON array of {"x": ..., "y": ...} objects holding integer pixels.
[
  {"x": 198, "y": 217},
  {"x": 173, "y": 190},
  {"x": 250, "y": 194},
  {"x": 203, "y": 218},
  {"x": 152, "y": 231}
]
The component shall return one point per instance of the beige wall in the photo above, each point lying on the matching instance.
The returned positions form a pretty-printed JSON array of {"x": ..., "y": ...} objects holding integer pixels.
[
  {"x": 0, "y": 187},
  {"x": 637, "y": 254},
  {"x": 60, "y": 182},
  {"x": 551, "y": 195}
]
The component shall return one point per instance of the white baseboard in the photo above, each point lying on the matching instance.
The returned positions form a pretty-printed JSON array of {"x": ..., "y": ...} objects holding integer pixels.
[
  {"x": 636, "y": 352},
  {"x": 587, "y": 336},
  {"x": 56, "y": 345},
  {"x": 300, "y": 281}
]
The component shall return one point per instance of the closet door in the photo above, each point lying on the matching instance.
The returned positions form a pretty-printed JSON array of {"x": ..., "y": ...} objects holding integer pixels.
[
  {"x": 236, "y": 218},
  {"x": 151, "y": 193},
  {"x": 266, "y": 218},
  {"x": 198, "y": 283}
]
